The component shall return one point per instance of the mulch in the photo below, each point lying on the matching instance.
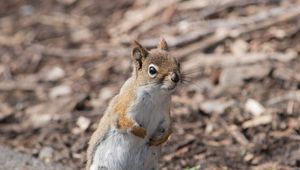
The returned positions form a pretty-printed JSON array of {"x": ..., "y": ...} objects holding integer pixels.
[{"x": 61, "y": 61}]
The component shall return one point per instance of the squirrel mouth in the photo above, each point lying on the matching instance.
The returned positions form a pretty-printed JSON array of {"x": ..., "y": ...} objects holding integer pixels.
[
  {"x": 172, "y": 87},
  {"x": 169, "y": 86}
]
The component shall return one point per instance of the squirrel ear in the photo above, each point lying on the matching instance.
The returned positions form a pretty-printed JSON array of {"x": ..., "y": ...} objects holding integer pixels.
[
  {"x": 138, "y": 53},
  {"x": 163, "y": 44}
]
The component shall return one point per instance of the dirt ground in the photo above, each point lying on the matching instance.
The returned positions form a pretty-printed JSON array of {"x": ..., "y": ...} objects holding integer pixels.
[{"x": 61, "y": 61}]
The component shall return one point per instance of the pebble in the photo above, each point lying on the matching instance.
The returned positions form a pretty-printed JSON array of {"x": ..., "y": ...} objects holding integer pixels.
[
  {"x": 254, "y": 107},
  {"x": 55, "y": 74},
  {"x": 46, "y": 154},
  {"x": 83, "y": 123},
  {"x": 61, "y": 90},
  {"x": 106, "y": 93}
]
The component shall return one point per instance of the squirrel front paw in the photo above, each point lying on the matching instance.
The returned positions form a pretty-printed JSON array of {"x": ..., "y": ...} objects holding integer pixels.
[
  {"x": 138, "y": 131},
  {"x": 159, "y": 139}
]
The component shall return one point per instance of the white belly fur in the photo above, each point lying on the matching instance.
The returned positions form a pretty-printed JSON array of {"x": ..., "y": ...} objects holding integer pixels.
[{"x": 123, "y": 151}]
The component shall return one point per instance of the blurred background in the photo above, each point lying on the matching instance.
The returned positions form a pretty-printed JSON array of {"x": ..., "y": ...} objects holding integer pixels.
[{"x": 61, "y": 61}]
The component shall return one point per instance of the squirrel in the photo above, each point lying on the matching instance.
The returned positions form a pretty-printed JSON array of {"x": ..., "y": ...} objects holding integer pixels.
[{"x": 137, "y": 120}]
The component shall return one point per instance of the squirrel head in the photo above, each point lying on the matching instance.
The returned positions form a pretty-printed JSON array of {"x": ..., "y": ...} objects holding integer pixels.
[{"x": 155, "y": 67}]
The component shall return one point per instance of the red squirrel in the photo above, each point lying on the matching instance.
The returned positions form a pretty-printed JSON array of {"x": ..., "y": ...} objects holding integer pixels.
[{"x": 137, "y": 120}]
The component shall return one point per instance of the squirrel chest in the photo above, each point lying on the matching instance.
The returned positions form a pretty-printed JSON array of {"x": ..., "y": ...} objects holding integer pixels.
[{"x": 151, "y": 108}]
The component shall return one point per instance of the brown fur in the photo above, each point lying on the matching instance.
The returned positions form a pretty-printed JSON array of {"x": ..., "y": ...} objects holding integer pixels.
[{"x": 116, "y": 114}]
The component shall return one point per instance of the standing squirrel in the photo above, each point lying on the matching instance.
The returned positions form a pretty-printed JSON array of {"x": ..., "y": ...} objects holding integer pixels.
[{"x": 137, "y": 120}]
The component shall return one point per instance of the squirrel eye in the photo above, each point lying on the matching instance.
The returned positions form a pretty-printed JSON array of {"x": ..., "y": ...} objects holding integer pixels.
[{"x": 152, "y": 70}]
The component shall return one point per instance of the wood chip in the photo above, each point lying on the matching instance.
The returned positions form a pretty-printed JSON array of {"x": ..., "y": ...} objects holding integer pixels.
[
  {"x": 5, "y": 111},
  {"x": 254, "y": 107},
  {"x": 216, "y": 106},
  {"x": 257, "y": 121},
  {"x": 61, "y": 90},
  {"x": 238, "y": 135},
  {"x": 53, "y": 74}
]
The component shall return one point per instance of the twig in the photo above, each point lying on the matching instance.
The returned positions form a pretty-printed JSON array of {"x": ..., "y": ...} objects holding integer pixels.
[
  {"x": 134, "y": 18},
  {"x": 229, "y": 4},
  {"x": 238, "y": 136},
  {"x": 292, "y": 95},
  {"x": 13, "y": 85},
  {"x": 236, "y": 22},
  {"x": 257, "y": 121},
  {"x": 228, "y": 60},
  {"x": 193, "y": 4},
  {"x": 16, "y": 39},
  {"x": 290, "y": 134}
]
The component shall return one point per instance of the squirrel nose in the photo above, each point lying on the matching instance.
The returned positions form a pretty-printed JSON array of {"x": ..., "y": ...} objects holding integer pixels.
[{"x": 174, "y": 77}]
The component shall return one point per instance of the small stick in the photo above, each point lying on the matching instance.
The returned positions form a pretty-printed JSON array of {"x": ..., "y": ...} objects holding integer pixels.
[
  {"x": 228, "y": 60},
  {"x": 257, "y": 121}
]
